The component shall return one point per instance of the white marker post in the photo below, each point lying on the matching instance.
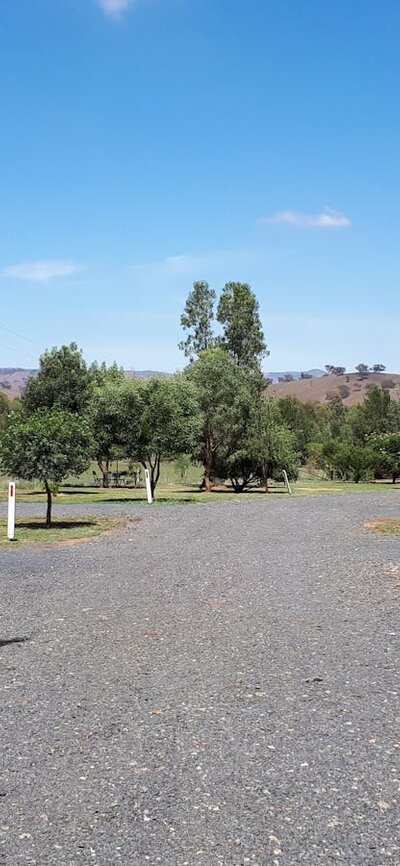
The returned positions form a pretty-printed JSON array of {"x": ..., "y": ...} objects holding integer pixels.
[
  {"x": 148, "y": 486},
  {"x": 289, "y": 489},
  {"x": 11, "y": 511}
]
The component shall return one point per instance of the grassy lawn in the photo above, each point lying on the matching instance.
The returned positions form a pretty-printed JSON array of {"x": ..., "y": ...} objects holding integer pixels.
[
  {"x": 384, "y": 526},
  {"x": 179, "y": 494},
  {"x": 69, "y": 530}
]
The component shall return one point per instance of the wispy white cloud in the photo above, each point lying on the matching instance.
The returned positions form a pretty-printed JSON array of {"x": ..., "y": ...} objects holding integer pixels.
[
  {"x": 327, "y": 219},
  {"x": 114, "y": 8},
  {"x": 222, "y": 264},
  {"x": 42, "y": 271}
]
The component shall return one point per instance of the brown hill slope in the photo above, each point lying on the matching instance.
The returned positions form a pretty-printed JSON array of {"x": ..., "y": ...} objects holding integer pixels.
[
  {"x": 350, "y": 387},
  {"x": 13, "y": 380}
]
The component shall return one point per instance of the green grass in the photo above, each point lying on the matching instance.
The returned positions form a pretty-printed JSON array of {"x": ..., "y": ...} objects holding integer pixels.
[
  {"x": 173, "y": 489},
  {"x": 384, "y": 526},
  {"x": 180, "y": 494},
  {"x": 69, "y": 530}
]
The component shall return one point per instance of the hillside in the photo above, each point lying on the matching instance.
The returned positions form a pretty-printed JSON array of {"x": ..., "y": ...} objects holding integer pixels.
[
  {"x": 275, "y": 376},
  {"x": 13, "y": 380},
  {"x": 353, "y": 389}
]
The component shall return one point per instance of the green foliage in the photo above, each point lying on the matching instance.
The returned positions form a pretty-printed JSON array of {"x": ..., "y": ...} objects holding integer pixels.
[
  {"x": 102, "y": 375},
  {"x": 197, "y": 319},
  {"x": 306, "y": 421},
  {"x": 238, "y": 313},
  {"x": 261, "y": 449},
  {"x": 387, "y": 449},
  {"x": 275, "y": 443},
  {"x": 362, "y": 370},
  {"x": 162, "y": 421},
  {"x": 372, "y": 416},
  {"x": 243, "y": 437},
  {"x": 4, "y": 410},
  {"x": 48, "y": 446},
  {"x": 108, "y": 414},
  {"x": 63, "y": 382},
  {"x": 226, "y": 394},
  {"x": 350, "y": 462}
]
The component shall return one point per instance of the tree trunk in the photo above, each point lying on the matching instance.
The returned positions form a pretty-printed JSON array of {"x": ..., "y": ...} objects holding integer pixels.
[
  {"x": 238, "y": 486},
  {"x": 104, "y": 466},
  {"x": 394, "y": 477},
  {"x": 155, "y": 474},
  {"x": 49, "y": 504}
]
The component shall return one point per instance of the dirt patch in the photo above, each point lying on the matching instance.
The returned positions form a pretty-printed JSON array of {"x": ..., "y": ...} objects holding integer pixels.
[{"x": 384, "y": 526}]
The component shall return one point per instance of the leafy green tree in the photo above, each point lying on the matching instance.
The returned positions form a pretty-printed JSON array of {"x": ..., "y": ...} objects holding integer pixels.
[
  {"x": 387, "y": 448},
  {"x": 108, "y": 413},
  {"x": 48, "y": 445},
  {"x": 101, "y": 374},
  {"x": 162, "y": 421},
  {"x": 261, "y": 447},
  {"x": 372, "y": 416},
  {"x": 238, "y": 313},
  {"x": 362, "y": 370},
  {"x": 235, "y": 457},
  {"x": 197, "y": 319},
  {"x": 393, "y": 421},
  {"x": 349, "y": 462},
  {"x": 63, "y": 382},
  {"x": 226, "y": 392},
  {"x": 4, "y": 410},
  {"x": 378, "y": 368},
  {"x": 276, "y": 445},
  {"x": 335, "y": 371},
  {"x": 303, "y": 420}
]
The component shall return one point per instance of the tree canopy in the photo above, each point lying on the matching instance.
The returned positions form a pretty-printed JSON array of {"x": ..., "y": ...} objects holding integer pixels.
[
  {"x": 238, "y": 313},
  {"x": 197, "y": 318},
  {"x": 63, "y": 382},
  {"x": 48, "y": 445},
  {"x": 226, "y": 394},
  {"x": 162, "y": 421}
]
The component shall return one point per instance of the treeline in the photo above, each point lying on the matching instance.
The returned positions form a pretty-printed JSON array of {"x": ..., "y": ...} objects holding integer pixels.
[
  {"x": 350, "y": 443},
  {"x": 215, "y": 412}
]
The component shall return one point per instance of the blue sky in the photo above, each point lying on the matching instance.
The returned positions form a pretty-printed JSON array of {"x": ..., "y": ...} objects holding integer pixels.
[{"x": 151, "y": 143}]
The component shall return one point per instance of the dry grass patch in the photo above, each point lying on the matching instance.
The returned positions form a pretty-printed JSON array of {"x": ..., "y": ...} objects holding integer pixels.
[{"x": 384, "y": 526}]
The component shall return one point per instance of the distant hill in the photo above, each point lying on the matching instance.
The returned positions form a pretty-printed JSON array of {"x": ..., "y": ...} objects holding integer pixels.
[
  {"x": 13, "y": 380},
  {"x": 295, "y": 374},
  {"x": 349, "y": 386},
  {"x": 144, "y": 374}
]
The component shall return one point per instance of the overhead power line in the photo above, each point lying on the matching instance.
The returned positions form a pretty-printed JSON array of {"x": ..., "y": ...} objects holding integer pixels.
[{"x": 21, "y": 336}]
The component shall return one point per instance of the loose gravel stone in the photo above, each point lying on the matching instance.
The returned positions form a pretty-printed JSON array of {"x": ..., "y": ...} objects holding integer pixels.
[{"x": 214, "y": 685}]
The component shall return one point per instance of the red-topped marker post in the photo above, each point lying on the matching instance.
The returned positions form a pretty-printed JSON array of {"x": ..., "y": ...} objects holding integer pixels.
[{"x": 11, "y": 511}]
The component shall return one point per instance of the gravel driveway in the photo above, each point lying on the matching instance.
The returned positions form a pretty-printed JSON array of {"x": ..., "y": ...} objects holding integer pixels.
[{"x": 215, "y": 685}]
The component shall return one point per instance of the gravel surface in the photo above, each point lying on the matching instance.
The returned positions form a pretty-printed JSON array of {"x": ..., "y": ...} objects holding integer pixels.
[{"x": 212, "y": 686}]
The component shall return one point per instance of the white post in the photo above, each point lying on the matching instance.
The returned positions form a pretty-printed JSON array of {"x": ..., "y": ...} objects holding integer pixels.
[
  {"x": 11, "y": 511},
  {"x": 148, "y": 486},
  {"x": 289, "y": 489}
]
